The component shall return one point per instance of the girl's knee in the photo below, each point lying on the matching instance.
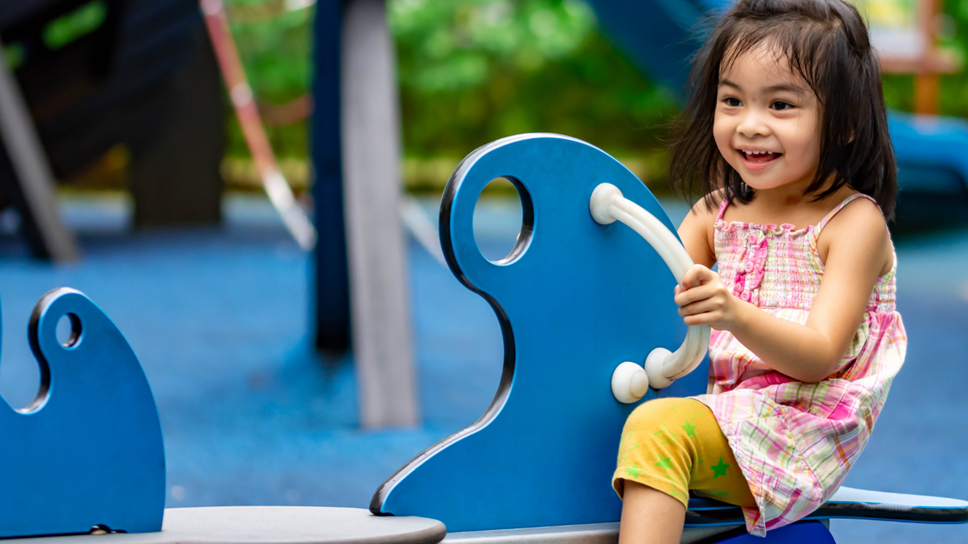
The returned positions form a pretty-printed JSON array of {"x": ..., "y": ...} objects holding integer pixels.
[
  {"x": 657, "y": 427},
  {"x": 668, "y": 428},
  {"x": 655, "y": 413}
]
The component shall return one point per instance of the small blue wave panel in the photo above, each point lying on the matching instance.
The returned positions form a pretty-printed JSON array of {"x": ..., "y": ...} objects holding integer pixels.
[{"x": 88, "y": 450}]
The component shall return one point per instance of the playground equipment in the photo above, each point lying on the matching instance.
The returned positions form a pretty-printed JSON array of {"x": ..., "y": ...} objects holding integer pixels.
[
  {"x": 88, "y": 450},
  {"x": 576, "y": 297},
  {"x": 356, "y": 158},
  {"x": 662, "y": 366},
  {"x": 274, "y": 183},
  {"x": 87, "y": 454}
]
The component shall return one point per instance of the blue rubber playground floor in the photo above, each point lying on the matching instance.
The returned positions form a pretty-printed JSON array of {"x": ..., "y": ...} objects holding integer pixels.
[{"x": 219, "y": 318}]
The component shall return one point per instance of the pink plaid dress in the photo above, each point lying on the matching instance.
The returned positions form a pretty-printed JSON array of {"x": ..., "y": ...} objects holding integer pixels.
[{"x": 793, "y": 441}]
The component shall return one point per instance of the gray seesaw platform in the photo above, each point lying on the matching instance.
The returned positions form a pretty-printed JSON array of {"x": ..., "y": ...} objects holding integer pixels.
[
  {"x": 269, "y": 525},
  {"x": 592, "y": 533}
]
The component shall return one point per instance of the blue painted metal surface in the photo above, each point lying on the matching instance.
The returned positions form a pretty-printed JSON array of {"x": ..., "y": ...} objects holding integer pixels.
[
  {"x": 812, "y": 532},
  {"x": 574, "y": 299},
  {"x": 88, "y": 450}
]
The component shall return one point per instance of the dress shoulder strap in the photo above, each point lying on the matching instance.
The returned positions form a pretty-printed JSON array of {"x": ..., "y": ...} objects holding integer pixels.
[
  {"x": 846, "y": 201},
  {"x": 722, "y": 208}
]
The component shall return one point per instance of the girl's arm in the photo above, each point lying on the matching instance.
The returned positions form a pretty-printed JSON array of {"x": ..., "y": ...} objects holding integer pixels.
[
  {"x": 859, "y": 251},
  {"x": 696, "y": 232}
]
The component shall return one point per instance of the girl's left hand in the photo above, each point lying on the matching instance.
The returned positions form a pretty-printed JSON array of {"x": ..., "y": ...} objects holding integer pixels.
[{"x": 704, "y": 300}]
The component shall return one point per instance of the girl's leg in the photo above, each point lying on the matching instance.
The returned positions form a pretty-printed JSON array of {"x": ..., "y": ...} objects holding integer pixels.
[
  {"x": 668, "y": 447},
  {"x": 650, "y": 516},
  {"x": 715, "y": 472},
  {"x": 652, "y": 474}
]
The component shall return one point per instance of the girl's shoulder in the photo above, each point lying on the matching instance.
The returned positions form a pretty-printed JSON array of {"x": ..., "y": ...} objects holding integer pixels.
[
  {"x": 697, "y": 229},
  {"x": 856, "y": 222},
  {"x": 857, "y": 209},
  {"x": 708, "y": 208},
  {"x": 856, "y": 212}
]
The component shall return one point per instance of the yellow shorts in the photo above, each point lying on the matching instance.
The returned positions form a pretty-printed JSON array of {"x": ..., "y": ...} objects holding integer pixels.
[{"x": 675, "y": 445}]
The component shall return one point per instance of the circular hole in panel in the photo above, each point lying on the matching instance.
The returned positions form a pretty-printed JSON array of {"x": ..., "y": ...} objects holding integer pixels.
[
  {"x": 68, "y": 330},
  {"x": 503, "y": 219}
]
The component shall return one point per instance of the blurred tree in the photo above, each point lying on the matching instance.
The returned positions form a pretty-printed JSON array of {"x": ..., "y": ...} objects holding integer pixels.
[
  {"x": 472, "y": 71},
  {"x": 952, "y": 29}
]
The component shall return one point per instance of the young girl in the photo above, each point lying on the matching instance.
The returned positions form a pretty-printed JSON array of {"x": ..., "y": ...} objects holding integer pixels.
[{"x": 787, "y": 139}]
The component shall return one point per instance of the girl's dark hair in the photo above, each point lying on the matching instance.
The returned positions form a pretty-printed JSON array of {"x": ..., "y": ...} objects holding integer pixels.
[{"x": 826, "y": 42}]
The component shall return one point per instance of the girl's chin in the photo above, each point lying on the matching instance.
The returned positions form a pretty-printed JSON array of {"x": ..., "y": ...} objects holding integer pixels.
[{"x": 765, "y": 184}]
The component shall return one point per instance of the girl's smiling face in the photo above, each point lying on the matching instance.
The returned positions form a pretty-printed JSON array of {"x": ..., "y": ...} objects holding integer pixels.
[{"x": 767, "y": 121}]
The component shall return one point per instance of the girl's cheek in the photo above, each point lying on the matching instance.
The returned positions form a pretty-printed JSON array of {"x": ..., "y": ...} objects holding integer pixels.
[{"x": 721, "y": 136}]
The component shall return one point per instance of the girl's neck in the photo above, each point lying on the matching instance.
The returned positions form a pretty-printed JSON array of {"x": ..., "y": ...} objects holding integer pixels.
[
  {"x": 790, "y": 195},
  {"x": 788, "y": 204}
]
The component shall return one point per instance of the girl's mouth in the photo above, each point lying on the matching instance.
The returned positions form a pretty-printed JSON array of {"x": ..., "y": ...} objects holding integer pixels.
[{"x": 757, "y": 160}]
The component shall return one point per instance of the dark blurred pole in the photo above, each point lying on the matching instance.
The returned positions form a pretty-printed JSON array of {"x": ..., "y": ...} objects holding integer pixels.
[
  {"x": 174, "y": 176},
  {"x": 331, "y": 285}
]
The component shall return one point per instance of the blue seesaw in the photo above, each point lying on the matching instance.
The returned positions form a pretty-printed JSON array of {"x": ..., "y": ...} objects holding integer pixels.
[
  {"x": 87, "y": 456},
  {"x": 579, "y": 295},
  {"x": 88, "y": 450},
  {"x": 582, "y": 302}
]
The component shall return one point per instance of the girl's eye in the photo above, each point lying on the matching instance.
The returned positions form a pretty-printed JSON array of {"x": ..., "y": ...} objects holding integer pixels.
[
  {"x": 732, "y": 102},
  {"x": 781, "y": 106}
]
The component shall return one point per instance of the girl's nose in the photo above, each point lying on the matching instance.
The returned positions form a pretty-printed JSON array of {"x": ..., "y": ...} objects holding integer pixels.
[{"x": 753, "y": 124}]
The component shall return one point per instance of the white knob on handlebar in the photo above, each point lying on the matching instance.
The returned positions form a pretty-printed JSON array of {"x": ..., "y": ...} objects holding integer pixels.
[{"x": 629, "y": 382}]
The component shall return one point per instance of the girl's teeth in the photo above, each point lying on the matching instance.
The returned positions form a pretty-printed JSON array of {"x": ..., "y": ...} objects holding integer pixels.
[{"x": 759, "y": 156}]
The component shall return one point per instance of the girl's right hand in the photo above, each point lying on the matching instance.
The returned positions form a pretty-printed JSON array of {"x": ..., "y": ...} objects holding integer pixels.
[{"x": 703, "y": 299}]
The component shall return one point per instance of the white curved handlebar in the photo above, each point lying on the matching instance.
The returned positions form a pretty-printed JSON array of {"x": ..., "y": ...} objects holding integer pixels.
[{"x": 661, "y": 366}]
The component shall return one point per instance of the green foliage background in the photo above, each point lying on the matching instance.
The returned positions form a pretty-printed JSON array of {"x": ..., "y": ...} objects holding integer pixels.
[{"x": 471, "y": 71}]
